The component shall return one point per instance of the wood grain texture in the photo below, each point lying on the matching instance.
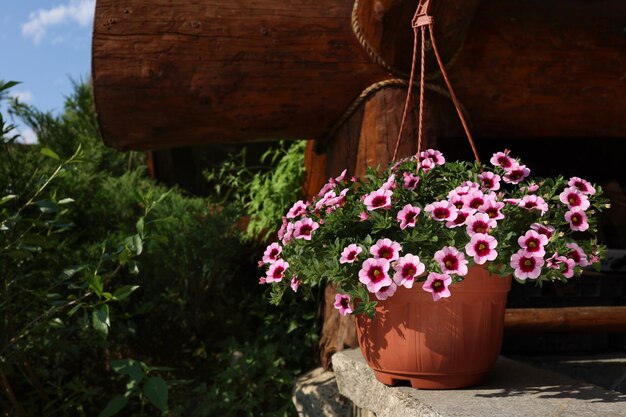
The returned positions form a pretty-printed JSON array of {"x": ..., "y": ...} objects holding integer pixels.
[
  {"x": 566, "y": 320},
  {"x": 172, "y": 72},
  {"x": 545, "y": 69}
]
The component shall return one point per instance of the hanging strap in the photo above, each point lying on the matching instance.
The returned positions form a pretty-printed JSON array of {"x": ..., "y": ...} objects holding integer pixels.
[{"x": 420, "y": 21}]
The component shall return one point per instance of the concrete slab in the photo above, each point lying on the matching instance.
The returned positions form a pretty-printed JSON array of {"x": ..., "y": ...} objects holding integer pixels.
[
  {"x": 315, "y": 394},
  {"x": 512, "y": 389}
]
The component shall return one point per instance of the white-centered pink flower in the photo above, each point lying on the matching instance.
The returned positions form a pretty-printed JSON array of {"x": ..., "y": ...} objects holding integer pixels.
[
  {"x": 533, "y": 243},
  {"x": 572, "y": 197},
  {"x": 577, "y": 219},
  {"x": 297, "y": 210},
  {"x": 386, "y": 249},
  {"x": 543, "y": 229},
  {"x": 479, "y": 223},
  {"x": 581, "y": 185},
  {"x": 386, "y": 292},
  {"x": 451, "y": 261},
  {"x": 502, "y": 159},
  {"x": 295, "y": 283},
  {"x": 342, "y": 303},
  {"x": 489, "y": 180},
  {"x": 577, "y": 254},
  {"x": 408, "y": 268},
  {"x": 379, "y": 199},
  {"x": 482, "y": 248},
  {"x": 374, "y": 274},
  {"x": 410, "y": 181},
  {"x": 272, "y": 253},
  {"x": 350, "y": 253},
  {"x": 408, "y": 216},
  {"x": 493, "y": 209},
  {"x": 437, "y": 284},
  {"x": 525, "y": 265},
  {"x": 276, "y": 271},
  {"x": 516, "y": 174},
  {"x": 441, "y": 210},
  {"x": 459, "y": 219},
  {"x": 534, "y": 202},
  {"x": 303, "y": 229}
]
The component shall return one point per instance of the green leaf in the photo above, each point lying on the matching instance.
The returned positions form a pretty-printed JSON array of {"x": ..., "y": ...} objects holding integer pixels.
[
  {"x": 138, "y": 244},
  {"x": 155, "y": 389},
  {"x": 8, "y": 84},
  {"x": 7, "y": 198},
  {"x": 100, "y": 320},
  {"x": 114, "y": 406},
  {"x": 50, "y": 153},
  {"x": 123, "y": 292},
  {"x": 129, "y": 367},
  {"x": 46, "y": 206},
  {"x": 95, "y": 283},
  {"x": 139, "y": 226},
  {"x": 66, "y": 201}
]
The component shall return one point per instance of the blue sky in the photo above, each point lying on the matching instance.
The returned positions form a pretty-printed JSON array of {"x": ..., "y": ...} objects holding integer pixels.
[{"x": 45, "y": 43}]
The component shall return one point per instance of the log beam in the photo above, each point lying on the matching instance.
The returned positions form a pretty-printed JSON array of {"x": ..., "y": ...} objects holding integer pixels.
[{"x": 566, "y": 320}]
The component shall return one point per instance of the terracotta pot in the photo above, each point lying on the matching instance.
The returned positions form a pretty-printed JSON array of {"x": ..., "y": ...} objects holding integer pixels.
[{"x": 447, "y": 344}]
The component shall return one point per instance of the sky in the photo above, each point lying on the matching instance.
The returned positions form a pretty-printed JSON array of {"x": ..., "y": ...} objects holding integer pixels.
[{"x": 44, "y": 44}]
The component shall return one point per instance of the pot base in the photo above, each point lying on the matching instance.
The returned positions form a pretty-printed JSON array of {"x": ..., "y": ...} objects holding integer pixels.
[{"x": 431, "y": 381}]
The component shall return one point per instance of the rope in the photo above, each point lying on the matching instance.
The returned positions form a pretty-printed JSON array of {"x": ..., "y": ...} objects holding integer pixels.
[{"x": 365, "y": 94}]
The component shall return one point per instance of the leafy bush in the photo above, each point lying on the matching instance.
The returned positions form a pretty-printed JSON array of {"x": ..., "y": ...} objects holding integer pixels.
[{"x": 121, "y": 294}]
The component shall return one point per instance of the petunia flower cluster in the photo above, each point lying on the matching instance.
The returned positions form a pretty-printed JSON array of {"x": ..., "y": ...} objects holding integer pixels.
[{"x": 424, "y": 220}]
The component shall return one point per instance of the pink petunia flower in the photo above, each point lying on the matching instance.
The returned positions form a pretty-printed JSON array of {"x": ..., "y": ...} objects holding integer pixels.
[
  {"x": 489, "y": 180},
  {"x": 533, "y": 243},
  {"x": 516, "y": 174},
  {"x": 577, "y": 219},
  {"x": 272, "y": 252},
  {"x": 386, "y": 249},
  {"x": 534, "y": 202},
  {"x": 438, "y": 284},
  {"x": 276, "y": 271},
  {"x": 374, "y": 274},
  {"x": 295, "y": 283},
  {"x": 342, "y": 177},
  {"x": 342, "y": 303},
  {"x": 581, "y": 185},
  {"x": 386, "y": 292},
  {"x": 543, "y": 229},
  {"x": 379, "y": 199},
  {"x": 493, "y": 209},
  {"x": 459, "y": 220},
  {"x": 502, "y": 159},
  {"x": 297, "y": 210},
  {"x": 410, "y": 181},
  {"x": 441, "y": 210},
  {"x": 326, "y": 187},
  {"x": 262, "y": 281},
  {"x": 350, "y": 253},
  {"x": 474, "y": 199},
  {"x": 408, "y": 216},
  {"x": 460, "y": 191},
  {"x": 577, "y": 254},
  {"x": 288, "y": 235},
  {"x": 322, "y": 202},
  {"x": 390, "y": 184},
  {"x": 457, "y": 201},
  {"x": 335, "y": 202},
  {"x": 451, "y": 261},
  {"x": 363, "y": 216},
  {"x": 572, "y": 197},
  {"x": 432, "y": 155},
  {"x": 525, "y": 265},
  {"x": 426, "y": 165},
  {"x": 482, "y": 248},
  {"x": 408, "y": 268},
  {"x": 479, "y": 223},
  {"x": 304, "y": 228}
]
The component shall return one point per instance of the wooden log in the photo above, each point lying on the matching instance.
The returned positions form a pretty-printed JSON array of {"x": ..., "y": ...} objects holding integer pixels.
[
  {"x": 566, "y": 320},
  {"x": 545, "y": 69},
  {"x": 172, "y": 72}
]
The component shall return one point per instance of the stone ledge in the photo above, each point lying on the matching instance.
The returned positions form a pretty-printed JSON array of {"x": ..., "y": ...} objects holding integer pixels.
[
  {"x": 315, "y": 394},
  {"x": 511, "y": 389}
]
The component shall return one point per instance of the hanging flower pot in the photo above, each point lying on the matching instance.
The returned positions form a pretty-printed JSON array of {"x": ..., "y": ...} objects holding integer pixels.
[
  {"x": 418, "y": 251},
  {"x": 450, "y": 343}
]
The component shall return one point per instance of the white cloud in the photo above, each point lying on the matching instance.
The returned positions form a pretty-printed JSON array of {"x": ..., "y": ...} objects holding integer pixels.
[
  {"x": 23, "y": 96},
  {"x": 76, "y": 11}
]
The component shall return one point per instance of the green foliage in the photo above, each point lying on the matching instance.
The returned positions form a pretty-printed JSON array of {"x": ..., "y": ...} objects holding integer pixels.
[{"x": 105, "y": 273}]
